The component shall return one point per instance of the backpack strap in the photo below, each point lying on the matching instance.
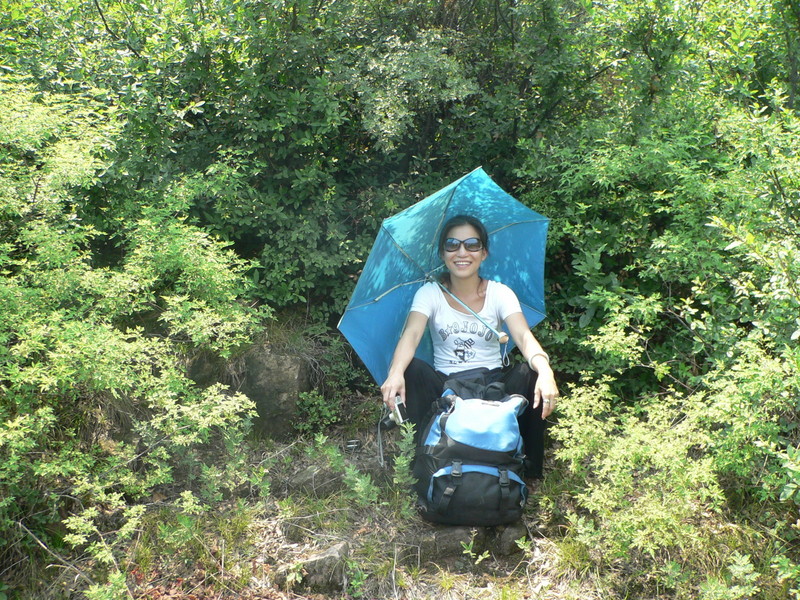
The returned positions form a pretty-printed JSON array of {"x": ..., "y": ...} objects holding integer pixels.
[
  {"x": 455, "y": 481},
  {"x": 505, "y": 488}
]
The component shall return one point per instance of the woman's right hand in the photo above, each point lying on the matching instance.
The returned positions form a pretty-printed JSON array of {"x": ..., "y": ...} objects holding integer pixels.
[{"x": 395, "y": 385}]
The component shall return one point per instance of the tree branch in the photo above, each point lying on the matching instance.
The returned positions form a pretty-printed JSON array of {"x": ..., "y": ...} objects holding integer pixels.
[
  {"x": 111, "y": 32},
  {"x": 60, "y": 559}
]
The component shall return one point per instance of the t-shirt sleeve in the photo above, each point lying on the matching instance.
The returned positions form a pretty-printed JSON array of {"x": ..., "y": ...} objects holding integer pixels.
[
  {"x": 425, "y": 300},
  {"x": 507, "y": 302}
]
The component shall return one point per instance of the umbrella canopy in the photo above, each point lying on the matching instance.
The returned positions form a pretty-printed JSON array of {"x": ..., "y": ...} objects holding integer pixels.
[{"x": 405, "y": 256}]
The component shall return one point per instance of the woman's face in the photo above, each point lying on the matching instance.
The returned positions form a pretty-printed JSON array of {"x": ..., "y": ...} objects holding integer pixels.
[{"x": 463, "y": 263}]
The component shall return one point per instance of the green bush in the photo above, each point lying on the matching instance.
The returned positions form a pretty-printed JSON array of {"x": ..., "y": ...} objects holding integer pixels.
[
  {"x": 97, "y": 412},
  {"x": 316, "y": 414},
  {"x": 660, "y": 138},
  {"x": 643, "y": 482}
]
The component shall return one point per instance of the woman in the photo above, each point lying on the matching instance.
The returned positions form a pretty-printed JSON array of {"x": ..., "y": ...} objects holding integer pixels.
[{"x": 461, "y": 342}]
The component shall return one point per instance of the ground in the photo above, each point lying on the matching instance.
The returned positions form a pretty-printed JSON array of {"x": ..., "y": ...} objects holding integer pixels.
[{"x": 332, "y": 495}]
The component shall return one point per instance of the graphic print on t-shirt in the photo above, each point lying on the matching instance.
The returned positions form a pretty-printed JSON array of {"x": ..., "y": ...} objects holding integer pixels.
[
  {"x": 478, "y": 345},
  {"x": 463, "y": 349}
]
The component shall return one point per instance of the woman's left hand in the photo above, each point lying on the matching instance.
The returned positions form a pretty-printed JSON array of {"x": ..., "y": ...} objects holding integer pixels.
[{"x": 546, "y": 392}]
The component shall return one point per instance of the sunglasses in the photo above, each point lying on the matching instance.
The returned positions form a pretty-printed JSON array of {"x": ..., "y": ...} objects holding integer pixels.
[{"x": 470, "y": 244}]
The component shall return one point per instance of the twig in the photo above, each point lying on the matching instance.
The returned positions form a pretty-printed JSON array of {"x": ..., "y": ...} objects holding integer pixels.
[
  {"x": 222, "y": 570},
  {"x": 111, "y": 32},
  {"x": 60, "y": 559},
  {"x": 11, "y": 568},
  {"x": 36, "y": 187},
  {"x": 394, "y": 569}
]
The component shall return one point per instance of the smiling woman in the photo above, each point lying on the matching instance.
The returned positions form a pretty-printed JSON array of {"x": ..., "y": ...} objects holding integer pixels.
[
  {"x": 462, "y": 255},
  {"x": 464, "y": 313}
]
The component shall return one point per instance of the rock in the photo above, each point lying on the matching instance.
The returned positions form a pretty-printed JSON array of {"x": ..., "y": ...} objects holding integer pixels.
[
  {"x": 445, "y": 541},
  {"x": 449, "y": 541},
  {"x": 326, "y": 570},
  {"x": 506, "y": 543},
  {"x": 284, "y": 576},
  {"x": 317, "y": 480},
  {"x": 274, "y": 383}
]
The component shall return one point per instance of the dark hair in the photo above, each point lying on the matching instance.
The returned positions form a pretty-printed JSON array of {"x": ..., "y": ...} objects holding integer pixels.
[{"x": 458, "y": 221}]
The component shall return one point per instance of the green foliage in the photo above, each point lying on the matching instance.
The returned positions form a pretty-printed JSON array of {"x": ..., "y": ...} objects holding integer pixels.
[
  {"x": 356, "y": 578},
  {"x": 750, "y": 420},
  {"x": 330, "y": 454},
  {"x": 188, "y": 534},
  {"x": 315, "y": 414},
  {"x": 645, "y": 488},
  {"x": 361, "y": 490},
  {"x": 791, "y": 463},
  {"x": 402, "y": 476},
  {"x": 406, "y": 447},
  {"x": 97, "y": 412},
  {"x": 740, "y": 582},
  {"x": 469, "y": 551},
  {"x": 661, "y": 140},
  {"x": 400, "y": 79},
  {"x": 678, "y": 315}
]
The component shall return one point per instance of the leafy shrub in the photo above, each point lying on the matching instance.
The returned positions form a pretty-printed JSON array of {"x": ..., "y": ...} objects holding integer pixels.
[
  {"x": 677, "y": 315},
  {"x": 97, "y": 412},
  {"x": 315, "y": 414},
  {"x": 403, "y": 476},
  {"x": 661, "y": 139},
  {"x": 644, "y": 484}
]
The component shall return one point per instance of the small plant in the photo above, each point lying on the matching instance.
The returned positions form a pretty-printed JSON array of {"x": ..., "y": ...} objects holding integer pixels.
[
  {"x": 573, "y": 550},
  {"x": 327, "y": 452},
  {"x": 791, "y": 464},
  {"x": 356, "y": 578},
  {"x": 469, "y": 550},
  {"x": 403, "y": 477},
  {"x": 673, "y": 575},
  {"x": 507, "y": 593},
  {"x": 115, "y": 588},
  {"x": 361, "y": 489},
  {"x": 294, "y": 575},
  {"x": 104, "y": 547},
  {"x": 741, "y": 581},
  {"x": 316, "y": 414},
  {"x": 525, "y": 545},
  {"x": 447, "y": 581},
  {"x": 788, "y": 573}
]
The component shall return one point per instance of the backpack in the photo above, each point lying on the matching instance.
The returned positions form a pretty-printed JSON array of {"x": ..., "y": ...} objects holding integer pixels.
[{"x": 469, "y": 462}]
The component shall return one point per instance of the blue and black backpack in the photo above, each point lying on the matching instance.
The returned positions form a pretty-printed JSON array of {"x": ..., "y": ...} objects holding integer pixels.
[{"x": 469, "y": 462}]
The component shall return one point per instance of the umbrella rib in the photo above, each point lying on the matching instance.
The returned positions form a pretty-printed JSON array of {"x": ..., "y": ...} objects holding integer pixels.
[
  {"x": 387, "y": 292},
  {"x": 403, "y": 251},
  {"x": 507, "y": 225},
  {"x": 397, "y": 287}
]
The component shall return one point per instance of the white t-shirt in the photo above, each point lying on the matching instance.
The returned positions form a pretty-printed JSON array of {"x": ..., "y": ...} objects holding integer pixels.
[{"x": 460, "y": 341}]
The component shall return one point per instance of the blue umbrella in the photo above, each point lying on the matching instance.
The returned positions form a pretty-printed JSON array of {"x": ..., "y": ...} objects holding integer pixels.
[{"x": 405, "y": 256}]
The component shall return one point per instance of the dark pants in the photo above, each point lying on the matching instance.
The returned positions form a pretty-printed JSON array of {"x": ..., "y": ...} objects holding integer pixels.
[{"x": 424, "y": 385}]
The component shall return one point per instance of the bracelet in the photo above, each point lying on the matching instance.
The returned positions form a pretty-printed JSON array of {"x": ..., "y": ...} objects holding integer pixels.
[{"x": 542, "y": 353}]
